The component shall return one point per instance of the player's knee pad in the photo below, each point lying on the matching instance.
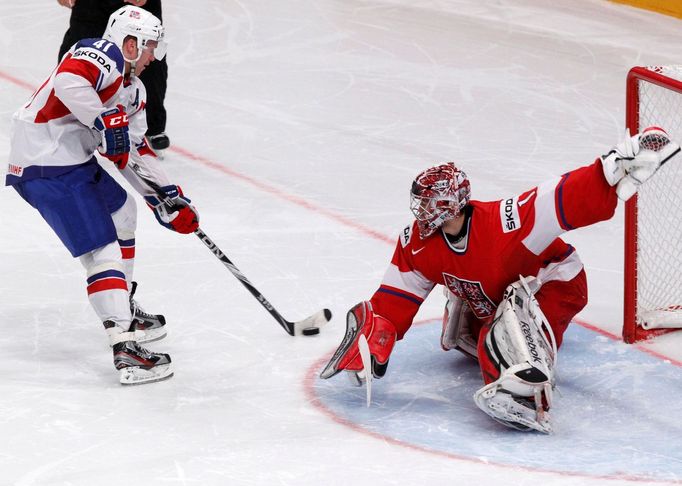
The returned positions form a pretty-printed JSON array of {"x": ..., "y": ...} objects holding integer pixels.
[
  {"x": 125, "y": 219},
  {"x": 459, "y": 331},
  {"x": 518, "y": 358}
]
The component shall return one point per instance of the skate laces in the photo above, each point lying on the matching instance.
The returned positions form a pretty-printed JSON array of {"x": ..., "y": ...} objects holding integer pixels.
[
  {"x": 143, "y": 351},
  {"x": 134, "y": 346},
  {"x": 135, "y": 309},
  {"x": 139, "y": 311}
]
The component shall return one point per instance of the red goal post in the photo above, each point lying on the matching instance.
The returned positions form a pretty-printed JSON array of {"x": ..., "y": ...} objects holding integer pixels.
[{"x": 653, "y": 217}]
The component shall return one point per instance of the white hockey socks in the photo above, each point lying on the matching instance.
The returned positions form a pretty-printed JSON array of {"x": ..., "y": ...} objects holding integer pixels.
[{"x": 106, "y": 285}]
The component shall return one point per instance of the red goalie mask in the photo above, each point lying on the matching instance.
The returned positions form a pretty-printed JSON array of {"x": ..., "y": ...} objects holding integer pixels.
[{"x": 438, "y": 194}]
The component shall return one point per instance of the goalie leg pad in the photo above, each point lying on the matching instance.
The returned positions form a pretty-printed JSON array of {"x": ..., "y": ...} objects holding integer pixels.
[
  {"x": 459, "y": 327},
  {"x": 518, "y": 358},
  {"x": 520, "y": 413},
  {"x": 381, "y": 336}
]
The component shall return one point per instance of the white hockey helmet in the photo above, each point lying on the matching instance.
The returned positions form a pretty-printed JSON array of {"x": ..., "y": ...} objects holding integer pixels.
[{"x": 138, "y": 23}]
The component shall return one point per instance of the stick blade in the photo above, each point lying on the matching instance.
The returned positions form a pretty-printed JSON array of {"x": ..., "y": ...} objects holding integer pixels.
[
  {"x": 312, "y": 324},
  {"x": 366, "y": 358}
]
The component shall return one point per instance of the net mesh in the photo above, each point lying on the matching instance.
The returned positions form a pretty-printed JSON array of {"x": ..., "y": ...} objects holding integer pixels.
[{"x": 659, "y": 213}]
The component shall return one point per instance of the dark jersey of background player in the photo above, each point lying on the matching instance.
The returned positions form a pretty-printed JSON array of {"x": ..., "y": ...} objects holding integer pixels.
[{"x": 89, "y": 19}]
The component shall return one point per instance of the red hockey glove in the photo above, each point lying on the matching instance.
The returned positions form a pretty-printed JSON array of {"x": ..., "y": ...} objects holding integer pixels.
[
  {"x": 113, "y": 127},
  {"x": 179, "y": 215},
  {"x": 380, "y": 334}
]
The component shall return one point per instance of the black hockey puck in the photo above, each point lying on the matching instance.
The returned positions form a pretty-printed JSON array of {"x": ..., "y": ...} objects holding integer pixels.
[{"x": 310, "y": 331}]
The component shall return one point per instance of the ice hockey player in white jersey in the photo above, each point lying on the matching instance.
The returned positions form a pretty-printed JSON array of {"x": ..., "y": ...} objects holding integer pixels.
[{"x": 93, "y": 102}]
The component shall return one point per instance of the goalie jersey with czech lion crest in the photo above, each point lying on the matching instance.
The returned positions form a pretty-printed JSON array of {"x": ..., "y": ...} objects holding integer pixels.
[{"x": 504, "y": 239}]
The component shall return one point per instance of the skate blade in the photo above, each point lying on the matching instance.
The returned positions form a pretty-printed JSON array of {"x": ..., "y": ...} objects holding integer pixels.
[
  {"x": 151, "y": 335},
  {"x": 135, "y": 375}
]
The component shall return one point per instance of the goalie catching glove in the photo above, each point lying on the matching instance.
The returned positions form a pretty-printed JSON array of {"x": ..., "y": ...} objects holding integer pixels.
[
  {"x": 112, "y": 124},
  {"x": 174, "y": 211},
  {"x": 381, "y": 336},
  {"x": 634, "y": 160}
]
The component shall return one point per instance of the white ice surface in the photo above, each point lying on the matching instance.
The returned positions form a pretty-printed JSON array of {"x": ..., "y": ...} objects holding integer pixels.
[{"x": 298, "y": 127}]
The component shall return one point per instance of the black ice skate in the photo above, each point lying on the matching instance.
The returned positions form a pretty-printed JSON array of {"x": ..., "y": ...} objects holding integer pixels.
[
  {"x": 138, "y": 365},
  {"x": 149, "y": 327}
]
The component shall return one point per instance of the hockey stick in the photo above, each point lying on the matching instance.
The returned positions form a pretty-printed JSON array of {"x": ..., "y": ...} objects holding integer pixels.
[{"x": 307, "y": 327}]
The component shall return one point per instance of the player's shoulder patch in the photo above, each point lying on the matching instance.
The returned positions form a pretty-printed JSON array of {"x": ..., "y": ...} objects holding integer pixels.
[
  {"x": 509, "y": 214},
  {"x": 406, "y": 235},
  {"x": 103, "y": 53}
]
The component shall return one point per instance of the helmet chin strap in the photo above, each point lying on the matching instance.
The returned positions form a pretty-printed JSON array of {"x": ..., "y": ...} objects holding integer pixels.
[
  {"x": 133, "y": 62},
  {"x": 133, "y": 68}
]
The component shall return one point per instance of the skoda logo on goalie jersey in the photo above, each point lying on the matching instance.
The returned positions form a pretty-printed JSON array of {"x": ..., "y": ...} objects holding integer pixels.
[
  {"x": 509, "y": 214},
  {"x": 473, "y": 293}
]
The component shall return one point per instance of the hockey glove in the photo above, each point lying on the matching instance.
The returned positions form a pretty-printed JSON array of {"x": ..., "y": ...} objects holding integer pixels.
[
  {"x": 113, "y": 127},
  {"x": 381, "y": 336},
  {"x": 174, "y": 211},
  {"x": 634, "y": 160}
]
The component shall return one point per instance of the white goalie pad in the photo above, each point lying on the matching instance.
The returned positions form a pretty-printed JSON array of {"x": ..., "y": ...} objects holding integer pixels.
[
  {"x": 521, "y": 345},
  {"x": 457, "y": 332},
  {"x": 520, "y": 413}
]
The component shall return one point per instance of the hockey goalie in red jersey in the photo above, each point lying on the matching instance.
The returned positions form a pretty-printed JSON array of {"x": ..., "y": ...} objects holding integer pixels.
[{"x": 512, "y": 284}]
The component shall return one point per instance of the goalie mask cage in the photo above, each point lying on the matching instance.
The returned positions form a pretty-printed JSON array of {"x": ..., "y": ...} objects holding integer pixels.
[{"x": 653, "y": 217}]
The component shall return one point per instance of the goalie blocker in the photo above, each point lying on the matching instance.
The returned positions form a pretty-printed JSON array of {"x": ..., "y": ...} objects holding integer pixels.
[{"x": 380, "y": 334}]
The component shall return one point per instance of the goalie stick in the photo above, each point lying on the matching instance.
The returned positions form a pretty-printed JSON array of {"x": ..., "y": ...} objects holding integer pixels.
[{"x": 307, "y": 327}]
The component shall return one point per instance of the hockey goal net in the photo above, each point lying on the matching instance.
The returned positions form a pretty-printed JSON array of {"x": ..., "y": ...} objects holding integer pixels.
[{"x": 653, "y": 217}]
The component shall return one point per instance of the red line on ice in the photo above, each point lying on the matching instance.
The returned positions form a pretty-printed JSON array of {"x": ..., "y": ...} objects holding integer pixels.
[
  {"x": 16, "y": 81},
  {"x": 315, "y": 401},
  {"x": 275, "y": 191}
]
